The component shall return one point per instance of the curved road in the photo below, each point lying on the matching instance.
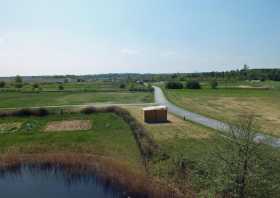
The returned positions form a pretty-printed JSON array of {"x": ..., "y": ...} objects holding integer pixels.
[{"x": 203, "y": 120}]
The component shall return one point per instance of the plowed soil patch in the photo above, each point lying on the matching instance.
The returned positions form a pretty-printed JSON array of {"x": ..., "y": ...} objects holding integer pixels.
[{"x": 72, "y": 125}]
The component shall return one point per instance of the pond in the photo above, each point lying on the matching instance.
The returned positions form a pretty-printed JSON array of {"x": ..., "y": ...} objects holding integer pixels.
[{"x": 35, "y": 181}]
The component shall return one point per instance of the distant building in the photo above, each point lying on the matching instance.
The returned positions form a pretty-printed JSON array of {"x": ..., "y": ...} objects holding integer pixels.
[{"x": 155, "y": 114}]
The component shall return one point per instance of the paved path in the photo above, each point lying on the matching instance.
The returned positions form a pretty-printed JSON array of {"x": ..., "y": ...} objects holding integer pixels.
[{"x": 203, "y": 120}]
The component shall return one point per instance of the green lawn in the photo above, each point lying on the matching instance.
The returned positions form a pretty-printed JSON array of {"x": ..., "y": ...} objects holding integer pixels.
[
  {"x": 193, "y": 143},
  {"x": 109, "y": 136},
  {"x": 228, "y": 104},
  {"x": 17, "y": 99}
]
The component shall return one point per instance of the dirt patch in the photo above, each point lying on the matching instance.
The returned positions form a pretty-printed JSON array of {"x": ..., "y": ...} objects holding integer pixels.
[
  {"x": 10, "y": 127},
  {"x": 71, "y": 125}
]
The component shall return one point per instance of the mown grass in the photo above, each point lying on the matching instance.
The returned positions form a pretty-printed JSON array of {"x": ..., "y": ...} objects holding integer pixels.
[
  {"x": 111, "y": 147},
  {"x": 227, "y": 105},
  {"x": 74, "y": 86},
  {"x": 17, "y": 99},
  {"x": 110, "y": 136},
  {"x": 192, "y": 143}
]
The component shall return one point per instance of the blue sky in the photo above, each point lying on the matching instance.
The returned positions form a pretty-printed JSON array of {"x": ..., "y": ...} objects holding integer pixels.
[{"x": 147, "y": 36}]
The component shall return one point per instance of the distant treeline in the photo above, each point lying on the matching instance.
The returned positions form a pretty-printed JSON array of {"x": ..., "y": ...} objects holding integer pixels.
[{"x": 242, "y": 74}]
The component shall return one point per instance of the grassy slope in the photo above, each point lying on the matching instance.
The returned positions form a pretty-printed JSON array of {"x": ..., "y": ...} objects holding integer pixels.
[
  {"x": 177, "y": 137},
  {"x": 17, "y": 99},
  {"x": 110, "y": 136},
  {"x": 194, "y": 142},
  {"x": 228, "y": 104}
]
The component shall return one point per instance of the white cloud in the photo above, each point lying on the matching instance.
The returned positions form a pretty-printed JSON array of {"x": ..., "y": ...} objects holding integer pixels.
[{"x": 127, "y": 51}]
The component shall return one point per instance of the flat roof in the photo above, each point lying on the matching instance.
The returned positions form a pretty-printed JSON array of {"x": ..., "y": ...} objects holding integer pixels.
[{"x": 154, "y": 108}]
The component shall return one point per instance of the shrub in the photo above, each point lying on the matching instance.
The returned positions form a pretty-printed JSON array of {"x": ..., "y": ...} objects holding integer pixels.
[
  {"x": 174, "y": 85},
  {"x": 145, "y": 143},
  {"x": 2, "y": 84},
  {"x": 142, "y": 89},
  {"x": 18, "y": 85},
  {"x": 35, "y": 86},
  {"x": 214, "y": 84},
  {"x": 60, "y": 87},
  {"x": 42, "y": 112},
  {"x": 18, "y": 82},
  {"x": 26, "y": 112},
  {"x": 89, "y": 110},
  {"x": 122, "y": 86},
  {"x": 193, "y": 85}
]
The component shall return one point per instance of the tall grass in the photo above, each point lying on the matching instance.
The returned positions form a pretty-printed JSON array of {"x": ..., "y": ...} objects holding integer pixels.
[
  {"x": 146, "y": 144},
  {"x": 135, "y": 183}
]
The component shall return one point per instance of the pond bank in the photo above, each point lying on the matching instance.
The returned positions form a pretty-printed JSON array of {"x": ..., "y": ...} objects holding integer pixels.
[{"x": 134, "y": 182}]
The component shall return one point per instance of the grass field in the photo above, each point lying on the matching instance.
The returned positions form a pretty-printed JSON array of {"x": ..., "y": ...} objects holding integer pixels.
[
  {"x": 109, "y": 136},
  {"x": 228, "y": 104},
  {"x": 74, "y": 86},
  {"x": 193, "y": 143},
  {"x": 112, "y": 138},
  {"x": 17, "y": 99},
  {"x": 179, "y": 137}
]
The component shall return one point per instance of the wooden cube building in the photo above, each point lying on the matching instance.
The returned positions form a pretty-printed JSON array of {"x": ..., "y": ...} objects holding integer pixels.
[{"x": 155, "y": 114}]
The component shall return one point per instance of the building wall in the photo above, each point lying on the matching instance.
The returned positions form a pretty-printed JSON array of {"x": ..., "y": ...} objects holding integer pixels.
[{"x": 154, "y": 116}]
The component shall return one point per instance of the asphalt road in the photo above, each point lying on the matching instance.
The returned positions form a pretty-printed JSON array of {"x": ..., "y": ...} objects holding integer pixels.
[{"x": 205, "y": 121}]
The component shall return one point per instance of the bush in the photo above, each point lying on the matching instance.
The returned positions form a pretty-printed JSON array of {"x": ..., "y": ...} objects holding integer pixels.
[
  {"x": 18, "y": 82},
  {"x": 193, "y": 85},
  {"x": 174, "y": 85},
  {"x": 145, "y": 143},
  {"x": 142, "y": 89},
  {"x": 89, "y": 110},
  {"x": 35, "y": 86},
  {"x": 214, "y": 84},
  {"x": 26, "y": 112},
  {"x": 122, "y": 86},
  {"x": 2, "y": 84},
  {"x": 60, "y": 87},
  {"x": 18, "y": 85}
]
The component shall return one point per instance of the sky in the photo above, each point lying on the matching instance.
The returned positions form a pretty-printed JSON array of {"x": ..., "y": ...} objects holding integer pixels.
[{"x": 47, "y": 37}]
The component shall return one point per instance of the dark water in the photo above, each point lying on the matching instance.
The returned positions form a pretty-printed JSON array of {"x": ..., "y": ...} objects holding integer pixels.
[{"x": 54, "y": 182}]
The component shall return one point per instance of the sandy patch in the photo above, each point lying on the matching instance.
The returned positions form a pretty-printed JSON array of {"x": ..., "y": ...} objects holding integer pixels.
[
  {"x": 71, "y": 125},
  {"x": 10, "y": 127}
]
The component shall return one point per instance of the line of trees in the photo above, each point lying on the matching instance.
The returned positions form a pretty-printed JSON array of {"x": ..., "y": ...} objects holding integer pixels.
[
  {"x": 243, "y": 74},
  {"x": 193, "y": 84}
]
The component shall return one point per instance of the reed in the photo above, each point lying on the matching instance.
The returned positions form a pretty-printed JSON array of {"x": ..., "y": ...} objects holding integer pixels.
[{"x": 136, "y": 184}]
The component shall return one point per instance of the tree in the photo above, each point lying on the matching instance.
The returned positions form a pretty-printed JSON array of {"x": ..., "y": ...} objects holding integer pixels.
[
  {"x": 174, "y": 85},
  {"x": 2, "y": 84},
  {"x": 18, "y": 82},
  {"x": 246, "y": 169},
  {"x": 245, "y": 67},
  {"x": 193, "y": 85},
  {"x": 122, "y": 86},
  {"x": 214, "y": 84},
  {"x": 60, "y": 87},
  {"x": 35, "y": 86}
]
